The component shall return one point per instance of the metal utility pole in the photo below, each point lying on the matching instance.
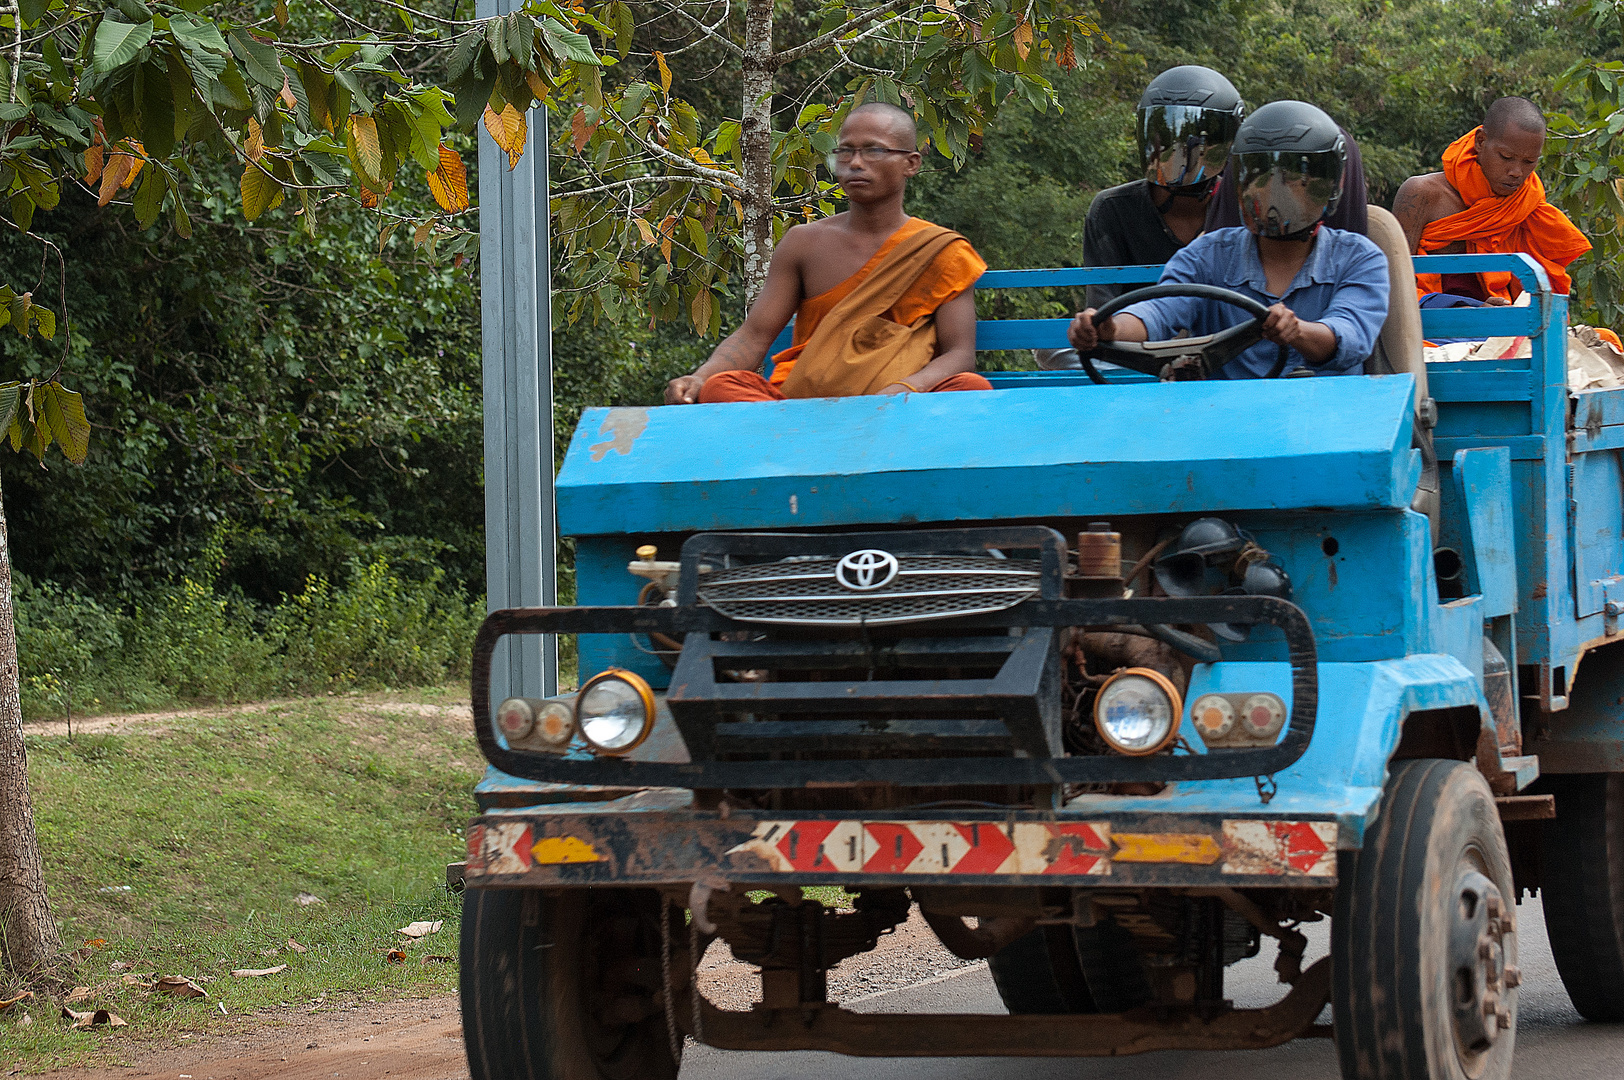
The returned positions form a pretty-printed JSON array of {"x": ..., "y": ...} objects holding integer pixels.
[{"x": 521, "y": 542}]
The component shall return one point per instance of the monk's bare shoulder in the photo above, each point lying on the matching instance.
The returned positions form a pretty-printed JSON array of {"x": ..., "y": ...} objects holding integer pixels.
[{"x": 1420, "y": 201}]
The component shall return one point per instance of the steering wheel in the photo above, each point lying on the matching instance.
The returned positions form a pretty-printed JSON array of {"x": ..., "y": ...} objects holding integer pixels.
[{"x": 1214, "y": 350}]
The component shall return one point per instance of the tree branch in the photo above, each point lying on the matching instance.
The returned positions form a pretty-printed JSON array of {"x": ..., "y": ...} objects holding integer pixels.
[
  {"x": 806, "y": 48},
  {"x": 709, "y": 31}
]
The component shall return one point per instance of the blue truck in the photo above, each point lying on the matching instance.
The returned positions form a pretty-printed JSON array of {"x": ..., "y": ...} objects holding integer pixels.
[{"x": 1109, "y": 676}]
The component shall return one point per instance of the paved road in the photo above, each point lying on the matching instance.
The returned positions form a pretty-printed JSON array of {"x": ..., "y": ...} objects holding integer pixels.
[{"x": 1552, "y": 1041}]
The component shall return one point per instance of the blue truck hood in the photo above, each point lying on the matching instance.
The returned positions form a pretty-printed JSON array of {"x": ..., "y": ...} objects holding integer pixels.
[{"x": 1080, "y": 451}]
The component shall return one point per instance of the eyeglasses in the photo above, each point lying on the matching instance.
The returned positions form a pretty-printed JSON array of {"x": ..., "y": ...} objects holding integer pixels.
[{"x": 869, "y": 154}]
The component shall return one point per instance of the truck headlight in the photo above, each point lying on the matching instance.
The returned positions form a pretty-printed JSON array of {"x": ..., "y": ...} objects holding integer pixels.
[
  {"x": 515, "y": 718},
  {"x": 615, "y": 711},
  {"x": 1137, "y": 711}
]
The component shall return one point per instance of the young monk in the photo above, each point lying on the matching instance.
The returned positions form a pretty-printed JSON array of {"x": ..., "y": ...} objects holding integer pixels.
[
  {"x": 1488, "y": 199},
  {"x": 882, "y": 301}
]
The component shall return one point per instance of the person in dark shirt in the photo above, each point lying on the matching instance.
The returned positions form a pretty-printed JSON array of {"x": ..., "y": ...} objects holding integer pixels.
[{"x": 1186, "y": 121}]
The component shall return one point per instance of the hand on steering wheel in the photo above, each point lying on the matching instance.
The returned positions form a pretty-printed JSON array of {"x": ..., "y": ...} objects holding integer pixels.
[{"x": 1151, "y": 357}]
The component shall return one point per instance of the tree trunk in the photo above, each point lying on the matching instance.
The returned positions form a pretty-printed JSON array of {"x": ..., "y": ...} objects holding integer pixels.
[
  {"x": 30, "y": 937},
  {"x": 756, "y": 145}
]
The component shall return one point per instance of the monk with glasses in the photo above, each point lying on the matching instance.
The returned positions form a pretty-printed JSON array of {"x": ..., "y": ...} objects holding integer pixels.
[{"x": 883, "y": 303}]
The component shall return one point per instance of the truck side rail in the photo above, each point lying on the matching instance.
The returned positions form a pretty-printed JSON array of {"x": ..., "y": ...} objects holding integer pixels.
[{"x": 676, "y": 621}]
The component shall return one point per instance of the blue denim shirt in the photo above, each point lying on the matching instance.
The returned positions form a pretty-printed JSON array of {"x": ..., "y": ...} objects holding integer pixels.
[{"x": 1343, "y": 285}]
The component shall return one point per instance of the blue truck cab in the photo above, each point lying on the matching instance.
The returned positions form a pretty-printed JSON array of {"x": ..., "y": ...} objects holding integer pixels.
[{"x": 1109, "y": 677}]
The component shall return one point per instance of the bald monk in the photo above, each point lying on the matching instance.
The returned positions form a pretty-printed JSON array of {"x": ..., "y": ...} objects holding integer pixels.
[
  {"x": 1489, "y": 200},
  {"x": 882, "y": 301}
]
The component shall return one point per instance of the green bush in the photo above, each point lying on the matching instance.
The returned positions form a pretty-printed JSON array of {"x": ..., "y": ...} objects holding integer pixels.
[{"x": 191, "y": 641}]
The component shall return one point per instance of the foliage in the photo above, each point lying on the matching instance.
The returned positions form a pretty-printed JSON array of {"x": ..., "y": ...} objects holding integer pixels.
[
  {"x": 1584, "y": 166},
  {"x": 190, "y": 641}
]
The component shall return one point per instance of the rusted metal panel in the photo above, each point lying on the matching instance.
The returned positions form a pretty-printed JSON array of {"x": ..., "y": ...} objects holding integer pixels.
[
  {"x": 944, "y": 1035},
  {"x": 961, "y": 849},
  {"x": 1526, "y": 807}
]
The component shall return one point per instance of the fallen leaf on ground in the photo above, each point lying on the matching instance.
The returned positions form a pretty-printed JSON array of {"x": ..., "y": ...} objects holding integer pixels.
[
  {"x": 78, "y": 993},
  {"x": 95, "y": 1018},
  {"x": 96, "y": 942},
  {"x": 24, "y": 996},
  {"x": 143, "y": 981},
  {"x": 296, "y": 947},
  {"x": 119, "y": 965},
  {"x": 180, "y": 986},
  {"x": 436, "y": 960},
  {"x": 28, "y": 1019},
  {"x": 269, "y": 952},
  {"x": 254, "y": 973},
  {"x": 395, "y": 956},
  {"x": 306, "y": 899},
  {"x": 420, "y": 929}
]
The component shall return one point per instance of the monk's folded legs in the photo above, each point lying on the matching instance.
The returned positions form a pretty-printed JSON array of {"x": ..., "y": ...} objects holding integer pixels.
[{"x": 749, "y": 386}]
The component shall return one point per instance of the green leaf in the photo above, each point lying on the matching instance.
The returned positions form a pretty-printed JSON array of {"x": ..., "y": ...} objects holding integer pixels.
[
  {"x": 33, "y": 11},
  {"x": 64, "y": 412},
  {"x": 496, "y": 38},
  {"x": 157, "y": 111},
  {"x": 118, "y": 42},
  {"x": 149, "y": 197},
  {"x": 202, "y": 37},
  {"x": 348, "y": 81},
  {"x": 45, "y": 321},
  {"x": 229, "y": 91},
  {"x": 134, "y": 10},
  {"x": 258, "y": 60},
  {"x": 521, "y": 39},
  {"x": 566, "y": 44},
  {"x": 22, "y": 211},
  {"x": 11, "y": 394},
  {"x": 183, "y": 224},
  {"x": 425, "y": 139}
]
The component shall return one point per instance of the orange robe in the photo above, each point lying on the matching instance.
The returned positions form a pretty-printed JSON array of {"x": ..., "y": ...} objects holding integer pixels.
[
  {"x": 1490, "y": 224},
  {"x": 952, "y": 271}
]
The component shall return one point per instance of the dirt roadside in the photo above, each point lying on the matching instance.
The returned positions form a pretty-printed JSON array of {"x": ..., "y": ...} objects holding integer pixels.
[{"x": 422, "y": 1039}]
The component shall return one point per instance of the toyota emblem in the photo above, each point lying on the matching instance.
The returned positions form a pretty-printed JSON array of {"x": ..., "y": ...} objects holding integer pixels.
[{"x": 868, "y": 569}]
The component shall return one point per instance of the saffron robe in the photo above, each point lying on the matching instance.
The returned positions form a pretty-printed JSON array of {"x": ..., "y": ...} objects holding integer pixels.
[
  {"x": 1490, "y": 224},
  {"x": 874, "y": 328}
]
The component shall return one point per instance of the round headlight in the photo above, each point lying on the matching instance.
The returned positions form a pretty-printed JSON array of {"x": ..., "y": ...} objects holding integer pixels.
[
  {"x": 615, "y": 711},
  {"x": 555, "y": 724},
  {"x": 514, "y": 718},
  {"x": 1264, "y": 715},
  {"x": 1137, "y": 711}
]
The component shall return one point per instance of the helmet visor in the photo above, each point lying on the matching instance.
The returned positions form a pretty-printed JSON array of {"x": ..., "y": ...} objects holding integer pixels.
[
  {"x": 1285, "y": 192},
  {"x": 1183, "y": 145}
]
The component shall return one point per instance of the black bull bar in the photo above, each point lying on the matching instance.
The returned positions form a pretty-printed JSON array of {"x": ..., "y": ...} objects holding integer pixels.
[{"x": 910, "y": 772}]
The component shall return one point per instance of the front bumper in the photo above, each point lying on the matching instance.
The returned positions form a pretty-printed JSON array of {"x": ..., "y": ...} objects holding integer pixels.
[
  {"x": 1031, "y": 768},
  {"x": 522, "y": 849}
]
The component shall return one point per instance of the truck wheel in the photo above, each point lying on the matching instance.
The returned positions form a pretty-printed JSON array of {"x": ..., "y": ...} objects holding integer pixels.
[
  {"x": 1039, "y": 974},
  {"x": 1056, "y": 970},
  {"x": 1582, "y": 888},
  {"x": 1422, "y": 940},
  {"x": 560, "y": 986}
]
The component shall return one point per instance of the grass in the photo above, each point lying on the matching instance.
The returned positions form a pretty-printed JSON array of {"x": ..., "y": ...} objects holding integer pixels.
[{"x": 181, "y": 847}]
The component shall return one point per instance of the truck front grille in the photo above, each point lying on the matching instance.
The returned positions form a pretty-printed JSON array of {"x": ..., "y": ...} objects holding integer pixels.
[{"x": 807, "y": 591}]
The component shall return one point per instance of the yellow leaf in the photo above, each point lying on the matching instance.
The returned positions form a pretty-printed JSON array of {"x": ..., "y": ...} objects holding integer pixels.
[
  {"x": 118, "y": 166},
  {"x": 701, "y": 311},
  {"x": 260, "y": 191},
  {"x": 371, "y": 199},
  {"x": 945, "y": 5},
  {"x": 508, "y": 129},
  {"x": 254, "y": 145},
  {"x": 421, "y": 233},
  {"x": 738, "y": 211},
  {"x": 646, "y": 229},
  {"x": 1068, "y": 56},
  {"x": 537, "y": 87},
  {"x": 449, "y": 182},
  {"x": 665, "y": 72},
  {"x": 365, "y": 153},
  {"x": 1023, "y": 38},
  {"x": 287, "y": 92},
  {"x": 135, "y": 170},
  {"x": 93, "y": 165},
  {"x": 699, "y": 155},
  {"x": 666, "y": 228}
]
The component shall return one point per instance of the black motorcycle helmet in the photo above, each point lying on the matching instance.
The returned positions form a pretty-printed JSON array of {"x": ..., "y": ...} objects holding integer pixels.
[
  {"x": 1289, "y": 161},
  {"x": 1187, "y": 118}
]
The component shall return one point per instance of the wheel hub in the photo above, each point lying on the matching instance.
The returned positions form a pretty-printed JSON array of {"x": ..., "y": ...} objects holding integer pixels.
[{"x": 1480, "y": 978}]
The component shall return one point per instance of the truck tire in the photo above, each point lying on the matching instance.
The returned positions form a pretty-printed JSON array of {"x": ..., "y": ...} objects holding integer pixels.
[
  {"x": 1039, "y": 975},
  {"x": 1422, "y": 934},
  {"x": 532, "y": 991},
  {"x": 1056, "y": 970},
  {"x": 1582, "y": 889}
]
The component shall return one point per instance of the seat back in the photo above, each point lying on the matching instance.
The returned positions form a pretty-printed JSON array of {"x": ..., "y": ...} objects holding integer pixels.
[{"x": 1400, "y": 348}]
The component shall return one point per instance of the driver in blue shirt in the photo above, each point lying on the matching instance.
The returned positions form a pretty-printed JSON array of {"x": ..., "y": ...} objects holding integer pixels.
[{"x": 1326, "y": 289}]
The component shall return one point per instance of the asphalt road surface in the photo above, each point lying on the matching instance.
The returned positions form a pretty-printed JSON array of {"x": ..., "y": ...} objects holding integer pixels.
[{"x": 1552, "y": 1040}]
